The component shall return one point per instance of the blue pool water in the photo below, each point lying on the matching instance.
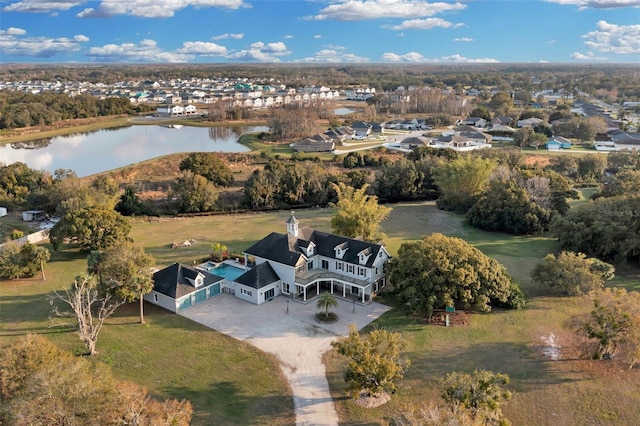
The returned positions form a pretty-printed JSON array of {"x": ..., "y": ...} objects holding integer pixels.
[{"x": 227, "y": 271}]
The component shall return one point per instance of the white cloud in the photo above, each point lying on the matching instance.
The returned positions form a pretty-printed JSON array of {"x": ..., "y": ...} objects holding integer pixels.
[
  {"x": 334, "y": 47},
  {"x": 13, "y": 31},
  {"x": 422, "y": 24},
  {"x": 40, "y": 6},
  {"x": 145, "y": 51},
  {"x": 598, "y": 4},
  {"x": 462, "y": 59},
  {"x": 589, "y": 56},
  {"x": 202, "y": 48},
  {"x": 463, "y": 39},
  {"x": 153, "y": 8},
  {"x": 333, "y": 56},
  {"x": 358, "y": 10},
  {"x": 407, "y": 57},
  {"x": 40, "y": 47},
  {"x": 261, "y": 52},
  {"x": 317, "y": 36},
  {"x": 417, "y": 57},
  {"x": 288, "y": 37},
  {"x": 237, "y": 36},
  {"x": 612, "y": 38}
]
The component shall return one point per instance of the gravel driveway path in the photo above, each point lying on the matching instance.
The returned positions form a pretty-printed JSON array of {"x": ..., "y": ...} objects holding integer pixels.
[{"x": 289, "y": 331}]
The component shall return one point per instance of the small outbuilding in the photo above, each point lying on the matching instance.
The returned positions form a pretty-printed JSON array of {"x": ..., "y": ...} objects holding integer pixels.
[{"x": 31, "y": 215}]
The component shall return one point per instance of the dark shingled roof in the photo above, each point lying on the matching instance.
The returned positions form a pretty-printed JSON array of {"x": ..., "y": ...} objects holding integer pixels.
[
  {"x": 286, "y": 249},
  {"x": 259, "y": 276},
  {"x": 275, "y": 247},
  {"x": 177, "y": 280}
]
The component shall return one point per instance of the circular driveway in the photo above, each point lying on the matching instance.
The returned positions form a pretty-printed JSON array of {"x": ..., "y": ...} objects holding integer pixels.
[{"x": 288, "y": 330}]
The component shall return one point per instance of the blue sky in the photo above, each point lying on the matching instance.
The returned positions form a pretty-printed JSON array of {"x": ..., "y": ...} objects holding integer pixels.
[{"x": 320, "y": 31}]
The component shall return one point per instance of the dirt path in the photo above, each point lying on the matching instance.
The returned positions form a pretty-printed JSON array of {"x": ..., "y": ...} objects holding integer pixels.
[{"x": 289, "y": 331}]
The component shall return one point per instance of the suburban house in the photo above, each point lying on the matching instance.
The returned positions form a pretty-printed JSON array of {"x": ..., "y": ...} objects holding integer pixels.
[
  {"x": 175, "y": 110},
  {"x": 299, "y": 265},
  {"x": 304, "y": 262},
  {"x": 558, "y": 142},
  {"x": 474, "y": 121},
  {"x": 178, "y": 287},
  {"x": 414, "y": 142},
  {"x": 361, "y": 128},
  {"x": 458, "y": 143},
  {"x": 340, "y": 133},
  {"x": 502, "y": 120},
  {"x": 315, "y": 143},
  {"x": 473, "y": 134},
  {"x": 530, "y": 122}
]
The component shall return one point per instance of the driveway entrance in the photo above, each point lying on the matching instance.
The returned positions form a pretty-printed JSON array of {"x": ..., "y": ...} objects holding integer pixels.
[{"x": 289, "y": 331}]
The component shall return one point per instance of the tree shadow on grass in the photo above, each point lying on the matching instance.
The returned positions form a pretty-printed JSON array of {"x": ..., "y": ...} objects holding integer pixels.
[
  {"x": 224, "y": 403},
  {"x": 527, "y": 369}
]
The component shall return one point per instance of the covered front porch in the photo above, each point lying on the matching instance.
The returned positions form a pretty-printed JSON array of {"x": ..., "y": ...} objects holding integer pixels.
[{"x": 311, "y": 283}]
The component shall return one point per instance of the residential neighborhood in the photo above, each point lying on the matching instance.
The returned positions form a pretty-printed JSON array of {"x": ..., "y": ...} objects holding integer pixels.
[{"x": 334, "y": 245}]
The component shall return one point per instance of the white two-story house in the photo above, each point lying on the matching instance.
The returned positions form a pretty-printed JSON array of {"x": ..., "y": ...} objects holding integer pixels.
[{"x": 304, "y": 262}]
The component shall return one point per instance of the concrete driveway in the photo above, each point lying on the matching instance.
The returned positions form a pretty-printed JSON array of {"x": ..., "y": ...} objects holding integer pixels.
[{"x": 288, "y": 330}]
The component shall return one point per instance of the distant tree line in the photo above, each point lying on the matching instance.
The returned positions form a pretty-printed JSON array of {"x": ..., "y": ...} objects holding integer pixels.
[{"x": 20, "y": 109}]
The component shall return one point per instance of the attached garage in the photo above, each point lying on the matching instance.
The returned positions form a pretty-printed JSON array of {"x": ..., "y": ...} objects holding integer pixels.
[
  {"x": 185, "y": 303},
  {"x": 178, "y": 287},
  {"x": 214, "y": 290}
]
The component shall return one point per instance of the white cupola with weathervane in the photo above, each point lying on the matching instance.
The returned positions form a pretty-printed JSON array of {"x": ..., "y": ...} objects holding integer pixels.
[{"x": 292, "y": 225}]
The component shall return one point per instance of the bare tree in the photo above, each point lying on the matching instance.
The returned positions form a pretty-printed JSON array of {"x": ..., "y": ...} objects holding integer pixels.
[
  {"x": 90, "y": 307},
  {"x": 539, "y": 190}
]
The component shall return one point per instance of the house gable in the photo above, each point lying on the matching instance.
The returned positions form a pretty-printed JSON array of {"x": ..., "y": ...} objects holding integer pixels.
[{"x": 341, "y": 249}]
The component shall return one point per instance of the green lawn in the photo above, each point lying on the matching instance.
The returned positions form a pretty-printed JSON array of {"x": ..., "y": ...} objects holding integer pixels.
[
  {"x": 230, "y": 382},
  {"x": 546, "y": 392},
  {"x": 227, "y": 381}
]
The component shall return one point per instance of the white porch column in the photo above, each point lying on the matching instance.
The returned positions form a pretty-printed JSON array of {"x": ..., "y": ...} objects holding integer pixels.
[
  {"x": 363, "y": 296},
  {"x": 331, "y": 286},
  {"x": 344, "y": 290},
  {"x": 304, "y": 298},
  {"x": 246, "y": 261}
]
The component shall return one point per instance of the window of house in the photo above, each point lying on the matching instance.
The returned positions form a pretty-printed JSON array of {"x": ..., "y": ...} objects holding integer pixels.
[
  {"x": 362, "y": 272},
  {"x": 155, "y": 297},
  {"x": 285, "y": 288},
  {"x": 339, "y": 266},
  {"x": 350, "y": 269}
]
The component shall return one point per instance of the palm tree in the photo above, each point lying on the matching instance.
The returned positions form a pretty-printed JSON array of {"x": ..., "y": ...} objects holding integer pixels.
[
  {"x": 326, "y": 301},
  {"x": 42, "y": 255}
]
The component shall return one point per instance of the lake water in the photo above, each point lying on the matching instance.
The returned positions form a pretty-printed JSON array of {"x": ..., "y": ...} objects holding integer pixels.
[{"x": 94, "y": 152}]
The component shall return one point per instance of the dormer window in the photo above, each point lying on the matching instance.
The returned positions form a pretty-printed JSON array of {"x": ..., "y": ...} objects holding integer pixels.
[
  {"x": 199, "y": 281},
  {"x": 311, "y": 249},
  {"x": 341, "y": 249},
  {"x": 364, "y": 255}
]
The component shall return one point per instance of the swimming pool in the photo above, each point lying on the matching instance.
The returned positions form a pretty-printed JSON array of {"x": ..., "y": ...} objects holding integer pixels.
[{"x": 227, "y": 271}]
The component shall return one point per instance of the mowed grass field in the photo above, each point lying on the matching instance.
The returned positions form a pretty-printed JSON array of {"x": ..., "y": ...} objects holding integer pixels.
[
  {"x": 230, "y": 382},
  {"x": 566, "y": 391}
]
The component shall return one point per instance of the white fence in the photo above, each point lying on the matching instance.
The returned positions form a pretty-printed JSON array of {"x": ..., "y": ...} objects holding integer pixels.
[{"x": 34, "y": 238}]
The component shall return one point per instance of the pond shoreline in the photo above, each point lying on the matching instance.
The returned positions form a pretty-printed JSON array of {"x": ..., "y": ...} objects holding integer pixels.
[{"x": 70, "y": 127}]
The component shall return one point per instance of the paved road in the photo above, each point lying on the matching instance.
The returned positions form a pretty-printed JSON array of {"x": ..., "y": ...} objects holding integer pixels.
[{"x": 294, "y": 337}]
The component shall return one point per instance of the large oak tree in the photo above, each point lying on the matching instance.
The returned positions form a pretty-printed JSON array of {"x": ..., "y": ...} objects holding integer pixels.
[
  {"x": 94, "y": 228},
  {"x": 440, "y": 271}
]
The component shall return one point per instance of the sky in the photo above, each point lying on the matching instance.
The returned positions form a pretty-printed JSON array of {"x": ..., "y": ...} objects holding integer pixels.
[{"x": 320, "y": 31}]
